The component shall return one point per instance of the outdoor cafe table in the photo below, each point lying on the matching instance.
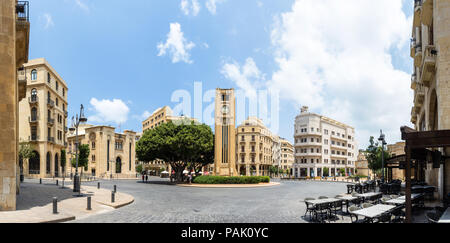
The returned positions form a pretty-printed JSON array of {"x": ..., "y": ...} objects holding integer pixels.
[
  {"x": 374, "y": 211},
  {"x": 323, "y": 201},
  {"x": 348, "y": 199},
  {"x": 445, "y": 218},
  {"x": 368, "y": 195},
  {"x": 402, "y": 200}
]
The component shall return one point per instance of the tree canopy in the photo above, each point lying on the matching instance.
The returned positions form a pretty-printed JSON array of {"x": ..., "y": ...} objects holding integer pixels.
[
  {"x": 83, "y": 156},
  {"x": 179, "y": 145},
  {"x": 373, "y": 155}
]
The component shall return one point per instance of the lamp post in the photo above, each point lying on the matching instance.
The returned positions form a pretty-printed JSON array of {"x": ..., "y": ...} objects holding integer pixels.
[
  {"x": 75, "y": 124},
  {"x": 383, "y": 142}
]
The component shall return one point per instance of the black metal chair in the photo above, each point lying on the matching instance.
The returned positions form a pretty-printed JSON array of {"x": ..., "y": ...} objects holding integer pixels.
[
  {"x": 429, "y": 193},
  {"x": 399, "y": 214},
  {"x": 350, "y": 188},
  {"x": 309, "y": 207},
  {"x": 322, "y": 212},
  {"x": 433, "y": 218},
  {"x": 354, "y": 217},
  {"x": 337, "y": 207},
  {"x": 384, "y": 218}
]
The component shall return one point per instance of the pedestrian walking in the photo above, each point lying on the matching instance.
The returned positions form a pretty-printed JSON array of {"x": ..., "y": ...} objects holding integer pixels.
[{"x": 146, "y": 178}]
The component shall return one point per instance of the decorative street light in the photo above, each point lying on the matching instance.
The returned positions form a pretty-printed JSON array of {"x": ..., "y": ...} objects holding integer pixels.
[
  {"x": 383, "y": 142},
  {"x": 75, "y": 124}
]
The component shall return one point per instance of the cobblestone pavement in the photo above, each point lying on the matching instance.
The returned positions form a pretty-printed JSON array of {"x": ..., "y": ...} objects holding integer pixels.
[{"x": 159, "y": 202}]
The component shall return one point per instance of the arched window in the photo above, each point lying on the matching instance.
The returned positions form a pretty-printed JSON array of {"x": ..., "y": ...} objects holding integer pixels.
[
  {"x": 56, "y": 165},
  {"x": 34, "y": 95},
  {"x": 33, "y": 74},
  {"x": 34, "y": 164},
  {"x": 118, "y": 165},
  {"x": 48, "y": 163}
]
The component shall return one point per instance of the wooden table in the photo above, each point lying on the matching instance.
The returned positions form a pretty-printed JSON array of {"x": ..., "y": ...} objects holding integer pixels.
[
  {"x": 445, "y": 218},
  {"x": 374, "y": 211}
]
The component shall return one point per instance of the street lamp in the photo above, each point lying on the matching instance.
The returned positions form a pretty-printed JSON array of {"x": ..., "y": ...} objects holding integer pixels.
[
  {"x": 75, "y": 124},
  {"x": 383, "y": 142}
]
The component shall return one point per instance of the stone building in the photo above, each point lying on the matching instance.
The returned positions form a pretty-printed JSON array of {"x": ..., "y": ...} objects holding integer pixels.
[
  {"x": 287, "y": 155},
  {"x": 43, "y": 119},
  {"x": 396, "y": 150},
  {"x": 225, "y": 133},
  {"x": 112, "y": 154},
  {"x": 14, "y": 44},
  {"x": 321, "y": 142},
  {"x": 430, "y": 49},
  {"x": 362, "y": 165},
  {"x": 254, "y": 147},
  {"x": 163, "y": 115}
]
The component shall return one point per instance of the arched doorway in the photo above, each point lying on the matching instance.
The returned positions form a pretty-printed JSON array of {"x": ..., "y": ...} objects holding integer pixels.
[
  {"x": 48, "y": 163},
  {"x": 243, "y": 170},
  {"x": 34, "y": 164},
  {"x": 56, "y": 165},
  {"x": 118, "y": 165}
]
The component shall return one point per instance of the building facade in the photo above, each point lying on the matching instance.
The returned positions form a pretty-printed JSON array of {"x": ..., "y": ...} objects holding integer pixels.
[
  {"x": 43, "y": 119},
  {"x": 362, "y": 165},
  {"x": 430, "y": 49},
  {"x": 14, "y": 44},
  {"x": 112, "y": 154},
  {"x": 254, "y": 148},
  {"x": 287, "y": 155},
  {"x": 323, "y": 145},
  {"x": 396, "y": 150},
  {"x": 225, "y": 133},
  {"x": 163, "y": 115}
]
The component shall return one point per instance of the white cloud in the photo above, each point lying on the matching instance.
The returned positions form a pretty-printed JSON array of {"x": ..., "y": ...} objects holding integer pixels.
[
  {"x": 177, "y": 46},
  {"x": 248, "y": 77},
  {"x": 336, "y": 59},
  {"x": 211, "y": 5},
  {"x": 190, "y": 7},
  {"x": 115, "y": 111},
  {"x": 48, "y": 21},
  {"x": 81, "y": 4}
]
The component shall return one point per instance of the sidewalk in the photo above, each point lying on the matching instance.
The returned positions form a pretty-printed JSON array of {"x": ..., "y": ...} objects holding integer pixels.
[{"x": 34, "y": 204}]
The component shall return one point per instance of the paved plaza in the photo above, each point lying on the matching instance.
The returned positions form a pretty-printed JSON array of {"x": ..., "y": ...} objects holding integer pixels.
[{"x": 160, "y": 202}]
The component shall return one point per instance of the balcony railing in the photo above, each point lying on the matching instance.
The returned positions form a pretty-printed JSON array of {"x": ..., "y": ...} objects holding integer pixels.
[
  {"x": 33, "y": 138},
  {"x": 33, "y": 119},
  {"x": 50, "y": 103},
  {"x": 429, "y": 65},
  {"x": 51, "y": 139},
  {"x": 33, "y": 99},
  {"x": 417, "y": 4},
  {"x": 51, "y": 121}
]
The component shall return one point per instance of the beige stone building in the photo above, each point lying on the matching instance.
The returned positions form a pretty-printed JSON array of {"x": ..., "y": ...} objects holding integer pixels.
[
  {"x": 321, "y": 142},
  {"x": 362, "y": 165},
  {"x": 396, "y": 150},
  {"x": 161, "y": 116},
  {"x": 430, "y": 49},
  {"x": 254, "y": 148},
  {"x": 14, "y": 43},
  {"x": 287, "y": 155},
  {"x": 225, "y": 133},
  {"x": 43, "y": 119},
  {"x": 112, "y": 154}
]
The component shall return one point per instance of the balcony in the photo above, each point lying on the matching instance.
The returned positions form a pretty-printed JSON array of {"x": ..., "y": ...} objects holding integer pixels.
[
  {"x": 418, "y": 55},
  {"x": 309, "y": 154},
  {"x": 413, "y": 81},
  {"x": 51, "y": 121},
  {"x": 419, "y": 95},
  {"x": 33, "y": 138},
  {"x": 66, "y": 113},
  {"x": 66, "y": 129},
  {"x": 22, "y": 32},
  {"x": 413, "y": 115},
  {"x": 413, "y": 47},
  {"x": 51, "y": 139},
  {"x": 33, "y": 119},
  {"x": 33, "y": 100},
  {"x": 417, "y": 5},
  {"x": 50, "y": 103},
  {"x": 429, "y": 65}
]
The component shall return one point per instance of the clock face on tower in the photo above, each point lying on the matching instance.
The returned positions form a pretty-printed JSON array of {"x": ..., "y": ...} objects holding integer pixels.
[{"x": 225, "y": 109}]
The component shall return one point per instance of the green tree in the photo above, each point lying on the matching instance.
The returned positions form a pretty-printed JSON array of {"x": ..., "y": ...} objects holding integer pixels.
[
  {"x": 342, "y": 171},
  {"x": 183, "y": 145},
  {"x": 83, "y": 157},
  {"x": 326, "y": 171},
  {"x": 63, "y": 159},
  {"x": 139, "y": 168},
  {"x": 373, "y": 156},
  {"x": 25, "y": 152}
]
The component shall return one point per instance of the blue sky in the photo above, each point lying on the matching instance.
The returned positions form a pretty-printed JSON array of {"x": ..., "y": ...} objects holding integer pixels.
[{"x": 119, "y": 61}]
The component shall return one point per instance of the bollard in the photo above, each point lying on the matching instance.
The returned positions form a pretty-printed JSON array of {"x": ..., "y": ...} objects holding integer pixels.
[
  {"x": 55, "y": 205},
  {"x": 115, "y": 188},
  {"x": 89, "y": 206},
  {"x": 40, "y": 180},
  {"x": 98, "y": 185},
  {"x": 62, "y": 186},
  {"x": 113, "y": 196}
]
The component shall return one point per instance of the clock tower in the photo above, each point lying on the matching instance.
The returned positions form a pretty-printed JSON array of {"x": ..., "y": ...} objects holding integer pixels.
[{"x": 225, "y": 133}]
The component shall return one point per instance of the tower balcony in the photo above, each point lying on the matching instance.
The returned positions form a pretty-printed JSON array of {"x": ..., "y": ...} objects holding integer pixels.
[
  {"x": 51, "y": 121},
  {"x": 22, "y": 32},
  {"x": 429, "y": 65},
  {"x": 419, "y": 95},
  {"x": 50, "y": 103},
  {"x": 418, "y": 55}
]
